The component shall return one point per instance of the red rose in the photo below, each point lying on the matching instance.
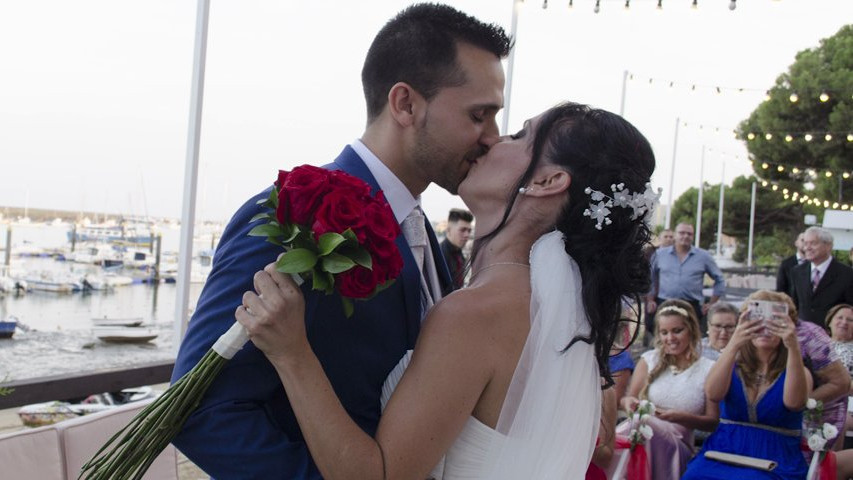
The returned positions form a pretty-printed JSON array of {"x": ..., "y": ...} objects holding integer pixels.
[
  {"x": 282, "y": 177},
  {"x": 379, "y": 220},
  {"x": 303, "y": 188},
  {"x": 344, "y": 181},
  {"x": 338, "y": 211},
  {"x": 357, "y": 282},
  {"x": 387, "y": 261}
]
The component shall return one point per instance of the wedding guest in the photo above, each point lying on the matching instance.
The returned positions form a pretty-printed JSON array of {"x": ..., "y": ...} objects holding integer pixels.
[
  {"x": 672, "y": 377},
  {"x": 621, "y": 363},
  {"x": 458, "y": 232},
  {"x": 822, "y": 281},
  {"x": 678, "y": 272},
  {"x": 722, "y": 320},
  {"x": 763, "y": 386},
  {"x": 840, "y": 322},
  {"x": 665, "y": 238},
  {"x": 784, "y": 282}
]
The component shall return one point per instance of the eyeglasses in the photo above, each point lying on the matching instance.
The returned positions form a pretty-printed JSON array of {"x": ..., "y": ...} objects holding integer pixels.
[{"x": 728, "y": 328}]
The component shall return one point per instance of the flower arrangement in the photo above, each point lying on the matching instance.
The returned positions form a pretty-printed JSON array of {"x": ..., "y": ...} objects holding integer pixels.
[
  {"x": 640, "y": 430},
  {"x": 817, "y": 434},
  {"x": 334, "y": 234}
]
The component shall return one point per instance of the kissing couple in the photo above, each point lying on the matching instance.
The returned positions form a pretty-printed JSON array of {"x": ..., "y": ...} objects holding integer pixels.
[{"x": 499, "y": 380}]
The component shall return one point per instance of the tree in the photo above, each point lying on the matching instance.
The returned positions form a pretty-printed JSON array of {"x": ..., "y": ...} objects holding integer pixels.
[
  {"x": 777, "y": 221},
  {"x": 827, "y": 69}
]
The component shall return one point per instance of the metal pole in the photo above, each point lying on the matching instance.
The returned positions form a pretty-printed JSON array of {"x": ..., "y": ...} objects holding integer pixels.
[
  {"x": 624, "y": 89},
  {"x": 671, "y": 177},
  {"x": 516, "y": 6},
  {"x": 8, "y": 259},
  {"x": 720, "y": 214},
  {"x": 751, "y": 227},
  {"x": 191, "y": 172},
  {"x": 699, "y": 200}
]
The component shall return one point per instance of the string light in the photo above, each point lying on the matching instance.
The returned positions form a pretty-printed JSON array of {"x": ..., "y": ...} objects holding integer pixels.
[
  {"x": 828, "y": 137},
  {"x": 597, "y": 6},
  {"x": 808, "y": 137},
  {"x": 803, "y": 198},
  {"x": 695, "y": 4},
  {"x": 627, "y": 4},
  {"x": 791, "y": 136},
  {"x": 824, "y": 97},
  {"x": 794, "y": 97},
  {"x": 733, "y": 5},
  {"x": 796, "y": 170},
  {"x": 545, "y": 5}
]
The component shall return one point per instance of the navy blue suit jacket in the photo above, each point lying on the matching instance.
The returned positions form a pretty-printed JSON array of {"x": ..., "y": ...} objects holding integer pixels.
[{"x": 245, "y": 427}]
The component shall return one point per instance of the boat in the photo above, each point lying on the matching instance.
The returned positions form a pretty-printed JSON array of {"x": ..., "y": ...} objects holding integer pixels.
[
  {"x": 117, "y": 322},
  {"x": 47, "y": 413},
  {"x": 120, "y": 334},
  {"x": 7, "y": 328}
]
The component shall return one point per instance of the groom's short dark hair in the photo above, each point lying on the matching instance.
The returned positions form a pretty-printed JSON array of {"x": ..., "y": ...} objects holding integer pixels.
[{"x": 418, "y": 46}]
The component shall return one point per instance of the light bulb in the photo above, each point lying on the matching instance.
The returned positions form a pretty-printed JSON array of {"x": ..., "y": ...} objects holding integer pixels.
[
  {"x": 544, "y": 4},
  {"x": 845, "y": 206},
  {"x": 835, "y": 205},
  {"x": 780, "y": 168},
  {"x": 828, "y": 174},
  {"x": 788, "y": 138},
  {"x": 794, "y": 97},
  {"x": 845, "y": 175},
  {"x": 828, "y": 137},
  {"x": 824, "y": 97},
  {"x": 597, "y": 6},
  {"x": 768, "y": 136},
  {"x": 750, "y": 136},
  {"x": 808, "y": 137},
  {"x": 767, "y": 95},
  {"x": 764, "y": 166},
  {"x": 695, "y": 4},
  {"x": 796, "y": 170},
  {"x": 850, "y": 137},
  {"x": 764, "y": 183},
  {"x": 627, "y": 4},
  {"x": 826, "y": 204},
  {"x": 733, "y": 5},
  {"x": 785, "y": 191},
  {"x": 775, "y": 187}
]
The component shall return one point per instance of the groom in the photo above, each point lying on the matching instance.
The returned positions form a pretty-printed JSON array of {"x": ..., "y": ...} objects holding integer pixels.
[{"x": 433, "y": 83}]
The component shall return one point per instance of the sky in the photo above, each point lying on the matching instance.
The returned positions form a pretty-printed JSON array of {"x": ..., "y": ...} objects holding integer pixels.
[{"x": 95, "y": 94}]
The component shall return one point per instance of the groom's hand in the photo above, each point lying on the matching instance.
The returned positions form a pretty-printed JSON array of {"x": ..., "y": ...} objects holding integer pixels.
[{"x": 274, "y": 317}]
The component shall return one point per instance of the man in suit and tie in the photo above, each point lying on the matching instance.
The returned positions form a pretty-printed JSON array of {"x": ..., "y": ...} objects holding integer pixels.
[
  {"x": 821, "y": 282},
  {"x": 784, "y": 283},
  {"x": 433, "y": 83}
]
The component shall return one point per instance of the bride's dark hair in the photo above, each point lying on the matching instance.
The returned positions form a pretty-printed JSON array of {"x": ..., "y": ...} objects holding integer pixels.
[{"x": 598, "y": 149}]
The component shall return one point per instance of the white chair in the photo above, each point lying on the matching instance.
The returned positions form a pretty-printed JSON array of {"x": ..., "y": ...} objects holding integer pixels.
[
  {"x": 32, "y": 454},
  {"x": 82, "y": 437}
]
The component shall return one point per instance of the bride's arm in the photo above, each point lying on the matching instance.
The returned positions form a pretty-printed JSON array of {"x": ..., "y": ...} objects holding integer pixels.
[{"x": 430, "y": 406}]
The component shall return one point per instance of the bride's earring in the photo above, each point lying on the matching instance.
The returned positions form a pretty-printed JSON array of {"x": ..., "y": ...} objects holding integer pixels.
[{"x": 523, "y": 190}]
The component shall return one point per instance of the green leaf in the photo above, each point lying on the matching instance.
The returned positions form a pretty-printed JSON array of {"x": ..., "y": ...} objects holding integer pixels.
[
  {"x": 304, "y": 239},
  {"x": 274, "y": 198},
  {"x": 362, "y": 257},
  {"x": 265, "y": 230},
  {"x": 290, "y": 232},
  {"x": 336, "y": 263},
  {"x": 261, "y": 216},
  {"x": 323, "y": 281},
  {"x": 275, "y": 241},
  {"x": 297, "y": 260},
  {"x": 329, "y": 241},
  {"x": 350, "y": 235},
  {"x": 348, "y": 306}
]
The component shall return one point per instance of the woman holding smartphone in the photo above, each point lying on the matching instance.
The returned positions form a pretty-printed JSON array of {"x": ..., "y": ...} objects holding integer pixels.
[{"x": 763, "y": 387}]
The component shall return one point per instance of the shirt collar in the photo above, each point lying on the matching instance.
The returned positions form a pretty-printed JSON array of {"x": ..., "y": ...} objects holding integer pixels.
[
  {"x": 822, "y": 267},
  {"x": 399, "y": 197}
]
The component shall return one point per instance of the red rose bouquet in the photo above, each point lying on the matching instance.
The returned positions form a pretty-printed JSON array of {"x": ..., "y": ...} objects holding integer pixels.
[{"x": 335, "y": 235}]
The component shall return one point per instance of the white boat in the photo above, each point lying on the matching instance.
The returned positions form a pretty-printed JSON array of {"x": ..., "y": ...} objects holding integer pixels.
[
  {"x": 120, "y": 334},
  {"x": 117, "y": 322},
  {"x": 47, "y": 281}
]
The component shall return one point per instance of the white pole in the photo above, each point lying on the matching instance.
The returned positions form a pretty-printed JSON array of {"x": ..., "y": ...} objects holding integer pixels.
[
  {"x": 751, "y": 227},
  {"x": 191, "y": 173},
  {"x": 720, "y": 215},
  {"x": 671, "y": 177},
  {"x": 624, "y": 89},
  {"x": 699, "y": 200},
  {"x": 516, "y": 6}
]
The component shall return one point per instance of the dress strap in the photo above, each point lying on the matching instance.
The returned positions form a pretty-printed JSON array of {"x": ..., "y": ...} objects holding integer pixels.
[{"x": 782, "y": 431}]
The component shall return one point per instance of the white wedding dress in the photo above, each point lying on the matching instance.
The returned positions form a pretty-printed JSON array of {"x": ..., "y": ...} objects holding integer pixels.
[{"x": 550, "y": 417}]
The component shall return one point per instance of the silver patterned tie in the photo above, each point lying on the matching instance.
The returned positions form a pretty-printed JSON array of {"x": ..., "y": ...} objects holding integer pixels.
[{"x": 414, "y": 229}]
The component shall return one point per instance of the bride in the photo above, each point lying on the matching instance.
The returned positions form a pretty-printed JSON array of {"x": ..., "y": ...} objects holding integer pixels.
[{"x": 505, "y": 376}]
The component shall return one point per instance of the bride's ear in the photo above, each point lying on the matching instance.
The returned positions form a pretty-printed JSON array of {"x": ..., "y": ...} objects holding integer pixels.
[{"x": 551, "y": 180}]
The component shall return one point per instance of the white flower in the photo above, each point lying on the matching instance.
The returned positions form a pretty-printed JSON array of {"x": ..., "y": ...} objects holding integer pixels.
[
  {"x": 651, "y": 408},
  {"x": 829, "y": 430},
  {"x": 636, "y": 418},
  {"x": 646, "y": 431},
  {"x": 811, "y": 404},
  {"x": 643, "y": 404},
  {"x": 816, "y": 442}
]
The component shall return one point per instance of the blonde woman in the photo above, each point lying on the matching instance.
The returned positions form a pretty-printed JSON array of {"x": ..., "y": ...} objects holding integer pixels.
[
  {"x": 763, "y": 385},
  {"x": 672, "y": 376}
]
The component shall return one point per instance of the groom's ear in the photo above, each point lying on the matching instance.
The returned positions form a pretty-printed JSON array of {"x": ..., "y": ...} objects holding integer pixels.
[
  {"x": 550, "y": 180},
  {"x": 403, "y": 103}
]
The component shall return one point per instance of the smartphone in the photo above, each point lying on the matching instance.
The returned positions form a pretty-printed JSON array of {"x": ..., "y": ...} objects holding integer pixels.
[{"x": 765, "y": 310}]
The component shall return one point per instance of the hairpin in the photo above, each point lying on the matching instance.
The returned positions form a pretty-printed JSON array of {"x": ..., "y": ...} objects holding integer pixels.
[{"x": 642, "y": 203}]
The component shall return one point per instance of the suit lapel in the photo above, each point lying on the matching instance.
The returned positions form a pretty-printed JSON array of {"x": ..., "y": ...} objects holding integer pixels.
[
  {"x": 350, "y": 162},
  {"x": 827, "y": 278}
]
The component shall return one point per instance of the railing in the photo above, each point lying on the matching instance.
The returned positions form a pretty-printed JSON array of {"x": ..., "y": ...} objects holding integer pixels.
[{"x": 45, "y": 389}]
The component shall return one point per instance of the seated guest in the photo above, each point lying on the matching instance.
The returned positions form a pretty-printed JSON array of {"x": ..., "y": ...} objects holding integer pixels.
[
  {"x": 672, "y": 377},
  {"x": 457, "y": 235},
  {"x": 621, "y": 363},
  {"x": 763, "y": 387},
  {"x": 840, "y": 323},
  {"x": 722, "y": 320}
]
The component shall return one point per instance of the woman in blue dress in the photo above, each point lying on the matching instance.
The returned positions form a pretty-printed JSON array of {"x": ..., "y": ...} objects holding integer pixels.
[{"x": 763, "y": 387}]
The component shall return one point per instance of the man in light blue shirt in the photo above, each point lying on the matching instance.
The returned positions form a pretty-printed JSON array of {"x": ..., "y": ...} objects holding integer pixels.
[{"x": 679, "y": 271}]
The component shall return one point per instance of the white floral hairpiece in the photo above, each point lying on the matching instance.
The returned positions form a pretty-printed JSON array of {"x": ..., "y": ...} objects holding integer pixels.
[{"x": 643, "y": 203}]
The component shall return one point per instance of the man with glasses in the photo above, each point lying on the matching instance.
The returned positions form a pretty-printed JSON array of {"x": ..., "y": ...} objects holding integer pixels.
[{"x": 722, "y": 321}]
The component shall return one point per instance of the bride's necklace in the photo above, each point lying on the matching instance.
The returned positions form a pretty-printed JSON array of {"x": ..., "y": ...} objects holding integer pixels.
[{"x": 497, "y": 264}]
